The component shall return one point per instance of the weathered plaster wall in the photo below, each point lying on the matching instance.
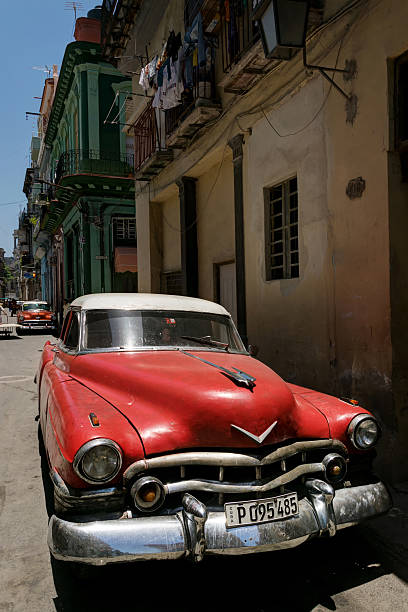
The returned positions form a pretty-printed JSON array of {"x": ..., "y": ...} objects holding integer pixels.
[
  {"x": 365, "y": 227},
  {"x": 171, "y": 235},
  {"x": 215, "y": 222},
  {"x": 289, "y": 319}
]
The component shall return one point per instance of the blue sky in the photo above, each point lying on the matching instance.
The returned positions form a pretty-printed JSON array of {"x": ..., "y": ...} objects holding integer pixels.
[{"x": 33, "y": 33}]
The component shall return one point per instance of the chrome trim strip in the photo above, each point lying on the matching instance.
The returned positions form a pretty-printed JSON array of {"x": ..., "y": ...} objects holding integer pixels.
[
  {"x": 260, "y": 438},
  {"x": 221, "y": 487},
  {"x": 166, "y": 537},
  {"x": 222, "y": 459}
]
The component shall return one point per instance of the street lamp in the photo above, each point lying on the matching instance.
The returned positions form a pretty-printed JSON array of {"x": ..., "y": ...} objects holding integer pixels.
[{"x": 282, "y": 24}]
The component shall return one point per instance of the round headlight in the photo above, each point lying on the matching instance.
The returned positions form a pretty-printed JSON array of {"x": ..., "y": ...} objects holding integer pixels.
[
  {"x": 98, "y": 460},
  {"x": 364, "y": 431}
]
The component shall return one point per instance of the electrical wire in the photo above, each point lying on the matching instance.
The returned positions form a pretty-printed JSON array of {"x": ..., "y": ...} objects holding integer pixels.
[
  {"x": 323, "y": 104},
  {"x": 204, "y": 208}
]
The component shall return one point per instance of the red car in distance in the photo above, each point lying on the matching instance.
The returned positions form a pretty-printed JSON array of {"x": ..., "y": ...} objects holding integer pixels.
[
  {"x": 166, "y": 439},
  {"x": 35, "y": 315}
]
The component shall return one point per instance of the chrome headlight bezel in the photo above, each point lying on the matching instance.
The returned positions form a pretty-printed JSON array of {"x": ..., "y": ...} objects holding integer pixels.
[
  {"x": 354, "y": 426},
  {"x": 85, "y": 448}
]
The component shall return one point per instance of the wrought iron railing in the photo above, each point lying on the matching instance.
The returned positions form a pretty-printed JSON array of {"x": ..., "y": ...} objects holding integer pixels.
[
  {"x": 149, "y": 134},
  {"x": 238, "y": 32},
  {"x": 89, "y": 161}
]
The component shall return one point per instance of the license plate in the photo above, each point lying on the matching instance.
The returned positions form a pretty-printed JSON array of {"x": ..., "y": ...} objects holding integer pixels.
[{"x": 261, "y": 510}]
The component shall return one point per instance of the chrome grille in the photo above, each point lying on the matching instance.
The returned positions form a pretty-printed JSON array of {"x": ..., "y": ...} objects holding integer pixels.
[{"x": 227, "y": 474}]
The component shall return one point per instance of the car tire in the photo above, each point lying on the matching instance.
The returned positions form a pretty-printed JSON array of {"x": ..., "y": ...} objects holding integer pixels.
[{"x": 19, "y": 331}]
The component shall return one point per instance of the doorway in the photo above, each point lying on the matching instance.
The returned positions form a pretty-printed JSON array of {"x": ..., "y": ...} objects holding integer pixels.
[{"x": 226, "y": 288}]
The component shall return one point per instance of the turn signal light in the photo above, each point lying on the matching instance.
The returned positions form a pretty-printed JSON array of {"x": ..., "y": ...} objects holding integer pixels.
[
  {"x": 335, "y": 467},
  {"x": 148, "y": 493},
  {"x": 94, "y": 419}
]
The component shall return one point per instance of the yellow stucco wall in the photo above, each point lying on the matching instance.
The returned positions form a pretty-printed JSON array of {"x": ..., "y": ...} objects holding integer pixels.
[
  {"x": 215, "y": 222},
  {"x": 171, "y": 235}
]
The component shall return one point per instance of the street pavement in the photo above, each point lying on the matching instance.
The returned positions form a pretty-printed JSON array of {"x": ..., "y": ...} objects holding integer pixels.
[{"x": 361, "y": 569}]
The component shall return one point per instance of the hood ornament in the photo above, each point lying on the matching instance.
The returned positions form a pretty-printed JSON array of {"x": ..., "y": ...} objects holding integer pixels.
[
  {"x": 258, "y": 439},
  {"x": 238, "y": 376}
]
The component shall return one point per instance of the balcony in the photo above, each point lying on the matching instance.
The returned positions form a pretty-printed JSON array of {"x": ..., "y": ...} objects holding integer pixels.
[
  {"x": 243, "y": 58},
  {"x": 158, "y": 132},
  {"x": 90, "y": 162},
  {"x": 151, "y": 154},
  {"x": 198, "y": 107}
]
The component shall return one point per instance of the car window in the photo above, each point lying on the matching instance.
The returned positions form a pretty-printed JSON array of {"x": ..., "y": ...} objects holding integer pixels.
[
  {"x": 35, "y": 306},
  {"x": 107, "y": 329},
  {"x": 72, "y": 337}
]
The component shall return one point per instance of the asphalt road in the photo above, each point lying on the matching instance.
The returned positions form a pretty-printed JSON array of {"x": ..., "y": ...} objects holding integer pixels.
[{"x": 347, "y": 572}]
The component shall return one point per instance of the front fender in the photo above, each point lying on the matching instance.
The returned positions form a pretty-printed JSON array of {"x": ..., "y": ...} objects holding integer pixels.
[{"x": 69, "y": 427}]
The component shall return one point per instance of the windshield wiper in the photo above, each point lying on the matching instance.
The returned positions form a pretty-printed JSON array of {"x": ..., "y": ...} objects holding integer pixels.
[{"x": 206, "y": 340}]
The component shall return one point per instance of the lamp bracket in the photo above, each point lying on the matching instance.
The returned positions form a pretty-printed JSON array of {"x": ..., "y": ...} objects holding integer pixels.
[{"x": 348, "y": 73}]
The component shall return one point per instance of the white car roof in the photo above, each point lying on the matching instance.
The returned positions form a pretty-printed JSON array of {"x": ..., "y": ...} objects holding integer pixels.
[
  {"x": 146, "y": 301},
  {"x": 34, "y": 302}
]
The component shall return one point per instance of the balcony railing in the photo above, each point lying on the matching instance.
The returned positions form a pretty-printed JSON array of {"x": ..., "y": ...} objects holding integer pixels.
[
  {"x": 149, "y": 132},
  {"x": 79, "y": 161},
  {"x": 238, "y": 32}
]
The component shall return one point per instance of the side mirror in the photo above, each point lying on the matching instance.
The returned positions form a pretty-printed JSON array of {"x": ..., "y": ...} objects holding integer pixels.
[{"x": 253, "y": 350}]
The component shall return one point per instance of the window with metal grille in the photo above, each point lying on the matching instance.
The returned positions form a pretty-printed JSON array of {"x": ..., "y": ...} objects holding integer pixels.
[
  {"x": 281, "y": 230},
  {"x": 124, "y": 228},
  {"x": 172, "y": 283}
]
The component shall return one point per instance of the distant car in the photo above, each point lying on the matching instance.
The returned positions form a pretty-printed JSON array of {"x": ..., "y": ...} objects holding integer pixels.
[
  {"x": 34, "y": 315},
  {"x": 166, "y": 439}
]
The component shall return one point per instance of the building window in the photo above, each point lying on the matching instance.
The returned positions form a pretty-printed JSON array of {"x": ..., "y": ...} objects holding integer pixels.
[
  {"x": 172, "y": 283},
  {"x": 124, "y": 229},
  {"x": 281, "y": 231}
]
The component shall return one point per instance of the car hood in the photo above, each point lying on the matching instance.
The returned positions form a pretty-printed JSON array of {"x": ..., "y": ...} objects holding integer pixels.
[
  {"x": 32, "y": 314},
  {"x": 176, "y": 401}
]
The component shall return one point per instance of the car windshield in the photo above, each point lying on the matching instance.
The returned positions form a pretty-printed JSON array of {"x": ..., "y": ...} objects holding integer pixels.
[
  {"x": 127, "y": 329},
  {"x": 36, "y": 306}
]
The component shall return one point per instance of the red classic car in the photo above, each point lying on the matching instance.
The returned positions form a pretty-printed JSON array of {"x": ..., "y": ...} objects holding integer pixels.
[
  {"x": 35, "y": 315},
  {"x": 166, "y": 439}
]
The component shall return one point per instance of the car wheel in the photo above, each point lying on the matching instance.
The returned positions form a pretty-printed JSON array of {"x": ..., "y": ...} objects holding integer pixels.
[{"x": 19, "y": 331}]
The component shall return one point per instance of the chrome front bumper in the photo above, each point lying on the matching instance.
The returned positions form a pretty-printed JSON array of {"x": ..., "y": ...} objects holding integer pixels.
[{"x": 193, "y": 533}]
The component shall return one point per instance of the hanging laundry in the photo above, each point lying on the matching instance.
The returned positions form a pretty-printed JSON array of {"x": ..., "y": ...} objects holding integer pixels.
[
  {"x": 170, "y": 84},
  {"x": 195, "y": 34},
  {"x": 151, "y": 70},
  {"x": 144, "y": 79},
  {"x": 173, "y": 45}
]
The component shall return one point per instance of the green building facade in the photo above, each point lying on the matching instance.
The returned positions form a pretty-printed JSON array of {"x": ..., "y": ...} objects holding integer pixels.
[{"x": 90, "y": 169}]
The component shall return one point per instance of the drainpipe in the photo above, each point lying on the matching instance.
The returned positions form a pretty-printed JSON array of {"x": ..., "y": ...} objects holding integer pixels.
[{"x": 237, "y": 154}]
